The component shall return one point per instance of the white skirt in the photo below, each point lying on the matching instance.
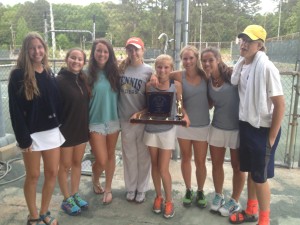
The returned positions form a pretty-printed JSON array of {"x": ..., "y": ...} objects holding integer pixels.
[
  {"x": 224, "y": 138},
  {"x": 162, "y": 140},
  {"x": 46, "y": 140},
  {"x": 193, "y": 133}
]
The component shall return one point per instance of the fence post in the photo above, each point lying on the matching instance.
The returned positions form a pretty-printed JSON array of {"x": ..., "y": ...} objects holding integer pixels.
[
  {"x": 2, "y": 127},
  {"x": 294, "y": 122}
]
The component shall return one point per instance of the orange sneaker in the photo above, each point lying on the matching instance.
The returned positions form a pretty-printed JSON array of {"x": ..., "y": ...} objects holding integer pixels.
[
  {"x": 157, "y": 205},
  {"x": 169, "y": 210}
]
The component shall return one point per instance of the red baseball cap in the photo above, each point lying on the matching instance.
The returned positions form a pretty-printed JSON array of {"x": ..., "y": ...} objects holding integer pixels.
[{"x": 135, "y": 41}]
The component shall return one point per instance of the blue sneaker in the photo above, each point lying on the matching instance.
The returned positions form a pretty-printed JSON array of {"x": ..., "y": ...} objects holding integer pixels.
[
  {"x": 80, "y": 202},
  {"x": 217, "y": 203},
  {"x": 70, "y": 207}
]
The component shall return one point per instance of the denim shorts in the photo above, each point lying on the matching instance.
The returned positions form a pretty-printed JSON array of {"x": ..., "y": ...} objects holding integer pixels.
[{"x": 105, "y": 128}]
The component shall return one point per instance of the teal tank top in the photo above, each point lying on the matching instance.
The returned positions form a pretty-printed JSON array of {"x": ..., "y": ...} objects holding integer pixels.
[{"x": 103, "y": 104}]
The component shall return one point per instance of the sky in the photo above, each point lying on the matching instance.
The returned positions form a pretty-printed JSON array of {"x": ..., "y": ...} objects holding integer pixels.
[{"x": 267, "y": 5}]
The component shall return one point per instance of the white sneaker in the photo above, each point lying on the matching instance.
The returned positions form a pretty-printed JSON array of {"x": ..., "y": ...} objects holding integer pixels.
[
  {"x": 229, "y": 208},
  {"x": 140, "y": 197},
  {"x": 130, "y": 196},
  {"x": 217, "y": 202}
]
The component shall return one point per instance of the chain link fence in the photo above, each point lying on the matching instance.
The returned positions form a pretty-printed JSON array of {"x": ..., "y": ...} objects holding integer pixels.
[{"x": 283, "y": 51}]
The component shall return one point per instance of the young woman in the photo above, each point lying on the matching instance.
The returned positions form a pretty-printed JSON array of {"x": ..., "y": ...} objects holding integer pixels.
[
  {"x": 104, "y": 123},
  {"x": 34, "y": 105},
  {"x": 194, "y": 85},
  {"x": 136, "y": 159},
  {"x": 73, "y": 86},
  {"x": 160, "y": 138},
  {"x": 224, "y": 130},
  {"x": 194, "y": 137}
]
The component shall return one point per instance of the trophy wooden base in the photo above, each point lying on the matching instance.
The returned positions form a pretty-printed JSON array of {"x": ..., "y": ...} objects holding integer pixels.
[{"x": 158, "y": 121}]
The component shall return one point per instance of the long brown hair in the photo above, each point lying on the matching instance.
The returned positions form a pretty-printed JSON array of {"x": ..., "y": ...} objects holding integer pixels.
[
  {"x": 23, "y": 62},
  {"x": 111, "y": 67},
  {"x": 199, "y": 69},
  {"x": 225, "y": 71}
]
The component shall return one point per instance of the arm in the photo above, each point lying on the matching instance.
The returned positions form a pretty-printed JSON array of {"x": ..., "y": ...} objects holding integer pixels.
[
  {"x": 277, "y": 117},
  {"x": 175, "y": 75},
  {"x": 17, "y": 114},
  {"x": 179, "y": 97}
]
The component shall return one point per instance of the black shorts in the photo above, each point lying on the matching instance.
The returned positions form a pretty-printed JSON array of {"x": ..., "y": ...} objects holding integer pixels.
[{"x": 256, "y": 155}]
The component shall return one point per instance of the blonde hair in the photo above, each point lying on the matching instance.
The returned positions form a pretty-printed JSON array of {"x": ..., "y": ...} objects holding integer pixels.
[
  {"x": 23, "y": 62},
  {"x": 263, "y": 45},
  {"x": 199, "y": 69},
  {"x": 164, "y": 57}
]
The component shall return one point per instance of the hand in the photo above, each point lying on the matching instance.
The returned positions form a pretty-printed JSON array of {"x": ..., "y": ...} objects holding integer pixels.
[
  {"x": 186, "y": 118},
  {"x": 272, "y": 141},
  {"x": 135, "y": 115},
  {"x": 26, "y": 150},
  {"x": 154, "y": 80}
]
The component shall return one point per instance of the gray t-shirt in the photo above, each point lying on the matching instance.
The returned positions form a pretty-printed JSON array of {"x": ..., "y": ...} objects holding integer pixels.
[
  {"x": 133, "y": 90},
  {"x": 195, "y": 102},
  {"x": 226, "y": 106}
]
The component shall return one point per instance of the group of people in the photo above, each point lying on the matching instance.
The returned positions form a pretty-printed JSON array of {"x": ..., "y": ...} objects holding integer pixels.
[{"x": 54, "y": 117}]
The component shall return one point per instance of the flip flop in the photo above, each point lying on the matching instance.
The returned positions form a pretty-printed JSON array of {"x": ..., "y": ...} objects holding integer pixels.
[
  {"x": 98, "y": 190},
  {"x": 48, "y": 219},
  {"x": 34, "y": 221},
  {"x": 106, "y": 199}
]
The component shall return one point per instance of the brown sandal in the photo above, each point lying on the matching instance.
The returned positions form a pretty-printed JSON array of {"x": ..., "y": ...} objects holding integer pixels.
[{"x": 98, "y": 190}]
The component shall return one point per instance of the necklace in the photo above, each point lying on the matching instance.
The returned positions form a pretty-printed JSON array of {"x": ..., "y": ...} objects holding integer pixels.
[{"x": 217, "y": 81}]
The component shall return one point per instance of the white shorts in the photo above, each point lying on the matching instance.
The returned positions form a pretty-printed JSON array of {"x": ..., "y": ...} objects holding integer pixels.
[
  {"x": 162, "y": 140},
  {"x": 46, "y": 140},
  {"x": 223, "y": 138},
  {"x": 193, "y": 133}
]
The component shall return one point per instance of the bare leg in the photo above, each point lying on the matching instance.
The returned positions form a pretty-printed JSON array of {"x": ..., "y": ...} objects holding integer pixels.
[
  {"x": 76, "y": 167},
  {"x": 155, "y": 170},
  {"x": 186, "y": 158},
  {"x": 200, "y": 151},
  {"x": 65, "y": 165},
  {"x": 164, "y": 161},
  {"x": 251, "y": 188},
  {"x": 111, "y": 157},
  {"x": 32, "y": 167},
  {"x": 263, "y": 195},
  {"x": 98, "y": 145},
  {"x": 217, "y": 157},
  {"x": 239, "y": 177},
  {"x": 51, "y": 163}
]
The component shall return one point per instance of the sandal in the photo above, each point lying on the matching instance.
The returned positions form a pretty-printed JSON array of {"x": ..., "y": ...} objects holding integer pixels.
[
  {"x": 107, "y": 198},
  {"x": 34, "y": 221},
  {"x": 241, "y": 217},
  {"x": 48, "y": 219},
  {"x": 98, "y": 190}
]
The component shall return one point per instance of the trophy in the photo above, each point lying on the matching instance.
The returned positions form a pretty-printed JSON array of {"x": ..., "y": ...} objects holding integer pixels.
[{"x": 159, "y": 106}]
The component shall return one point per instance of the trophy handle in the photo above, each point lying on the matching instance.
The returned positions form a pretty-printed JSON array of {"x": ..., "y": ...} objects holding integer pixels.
[{"x": 179, "y": 108}]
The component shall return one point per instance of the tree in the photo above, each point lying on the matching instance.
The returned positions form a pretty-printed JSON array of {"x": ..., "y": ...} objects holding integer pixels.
[
  {"x": 63, "y": 42},
  {"x": 21, "y": 30}
]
